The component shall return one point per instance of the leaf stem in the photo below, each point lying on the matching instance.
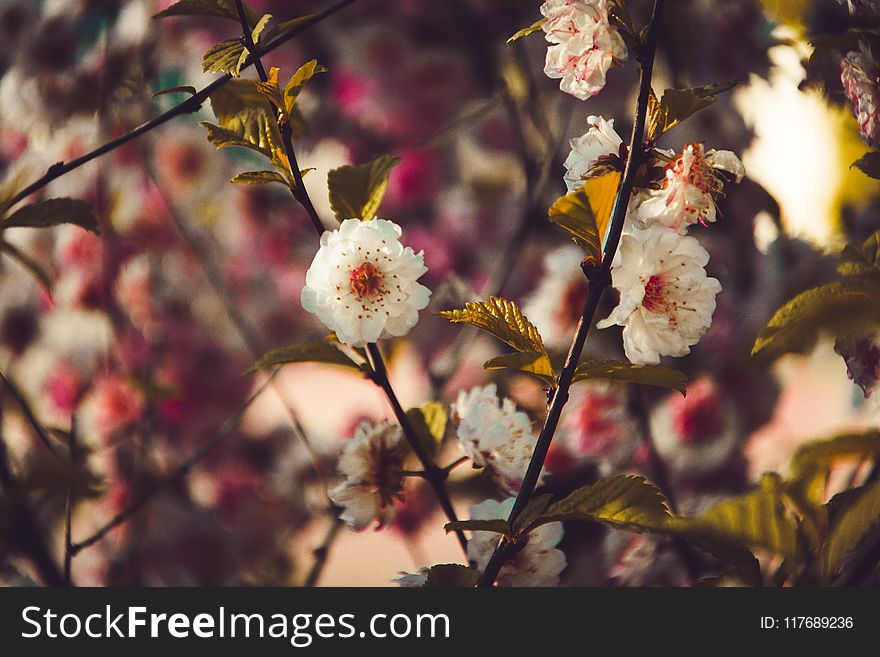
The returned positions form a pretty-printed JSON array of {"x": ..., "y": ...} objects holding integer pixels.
[{"x": 598, "y": 284}]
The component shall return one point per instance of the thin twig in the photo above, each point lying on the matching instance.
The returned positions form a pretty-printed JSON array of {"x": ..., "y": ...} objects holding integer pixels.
[
  {"x": 323, "y": 551},
  {"x": 188, "y": 106},
  {"x": 29, "y": 415},
  {"x": 69, "y": 502},
  {"x": 175, "y": 475},
  {"x": 600, "y": 280}
]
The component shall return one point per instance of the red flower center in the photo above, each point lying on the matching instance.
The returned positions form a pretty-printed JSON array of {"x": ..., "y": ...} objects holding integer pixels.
[
  {"x": 654, "y": 300},
  {"x": 366, "y": 281}
]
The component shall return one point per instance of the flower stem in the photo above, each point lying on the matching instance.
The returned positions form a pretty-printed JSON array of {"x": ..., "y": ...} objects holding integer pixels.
[{"x": 599, "y": 282}]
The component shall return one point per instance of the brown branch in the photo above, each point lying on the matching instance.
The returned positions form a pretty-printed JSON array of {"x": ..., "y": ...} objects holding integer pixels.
[
  {"x": 599, "y": 282},
  {"x": 68, "y": 505},
  {"x": 323, "y": 551},
  {"x": 188, "y": 106}
]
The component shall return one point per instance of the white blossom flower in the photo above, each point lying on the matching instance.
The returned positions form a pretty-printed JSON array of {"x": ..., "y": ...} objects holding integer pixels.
[
  {"x": 600, "y": 140},
  {"x": 860, "y": 76},
  {"x": 371, "y": 463},
  {"x": 362, "y": 282},
  {"x": 585, "y": 45},
  {"x": 539, "y": 563},
  {"x": 687, "y": 194},
  {"x": 695, "y": 435},
  {"x": 556, "y": 304},
  {"x": 494, "y": 435},
  {"x": 666, "y": 299}
]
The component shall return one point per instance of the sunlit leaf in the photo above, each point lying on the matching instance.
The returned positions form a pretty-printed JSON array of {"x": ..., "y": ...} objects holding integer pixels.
[
  {"x": 531, "y": 362},
  {"x": 676, "y": 105},
  {"x": 452, "y": 575},
  {"x": 309, "y": 352},
  {"x": 860, "y": 516},
  {"x": 614, "y": 370},
  {"x": 53, "y": 212},
  {"x": 213, "y": 8},
  {"x": 259, "y": 27},
  {"x": 429, "y": 423},
  {"x": 303, "y": 74},
  {"x": 224, "y": 57},
  {"x": 245, "y": 119},
  {"x": 844, "y": 308},
  {"x": 356, "y": 191},
  {"x": 586, "y": 212},
  {"x": 258, "y": 177},
  {"x": 756, "y": 519},
  {"x": 533, "y": 510},
  {"x": 503, "y": 319},
  {"x": 526, "y": 31}
]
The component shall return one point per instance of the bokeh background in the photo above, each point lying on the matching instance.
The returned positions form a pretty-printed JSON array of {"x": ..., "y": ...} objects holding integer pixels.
[{"x": 143, "y": 334}]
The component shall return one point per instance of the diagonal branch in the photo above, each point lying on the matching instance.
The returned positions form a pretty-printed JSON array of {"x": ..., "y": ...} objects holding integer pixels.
[{"x": 598, "y": 283}]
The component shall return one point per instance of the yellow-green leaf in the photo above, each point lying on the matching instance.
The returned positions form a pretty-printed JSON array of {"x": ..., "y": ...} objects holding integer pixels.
[
  {"x": 212, "y": 8},
  {"x": 863, "y": 259},
  {"x": 503, "y": 319},
  {"x": 309, "y": 352},
  {"x": 53, "y": 212},
  {"x": 623, "y": 501},
  {"x": 224, "y": 57},
  {"x": 452, "y": 575},
  {"x": 860, "y": 516},
  {"x": 258, "y": 178},
  {"x": 848, "y": 307},
  {"x": 526, "y": 31},
  {"x": 259, "y": 27},
  {"x": 531, "y": 362},
  {"x": 245, "y": 119},
  {"x": 429, "y": 423},
  {"x": 357, "y": 191},
  {"x": 812, "y": 462},
  {"x": 614, "y": 370},
  {"x": 586, "y": 212},
  {"x": 756, "y": 519},
  {"x": 303, "y": 74}
]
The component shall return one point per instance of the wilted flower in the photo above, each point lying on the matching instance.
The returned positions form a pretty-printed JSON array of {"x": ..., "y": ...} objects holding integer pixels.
[
  {"x": 371, "y": 463},
  {"x": 539, "y": 563},
  {"x": 362, "y": 282},
  {"x": 585, "y": 45},
  {"x": 556, "y": 304},
  {"x": 600, "y": 141},
  {"x": 695, "y": 435},
  {"x": 687, "y": 195},
  {"x": 666, "y": 299},
  {"x": 860, "y": 76},
  {"x": 494, "y": 435}
]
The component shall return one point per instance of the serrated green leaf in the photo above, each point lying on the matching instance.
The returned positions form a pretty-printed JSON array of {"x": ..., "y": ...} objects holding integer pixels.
[
  {"x": 309, "y": 352},
  {"x": 756, "y": 519},
  {"x": 503, "y": 319},
  {"x": 869, "y": 164},
  {"x": 624, "y": 501},
  {"x": 860, "y": 515},
  {"x": 224, "y": 57},
  {"x": 259, "y": 27},
  {"x": 258, "y": 178},
  {"x": 530, "y": 362},
  {"x": 429, "y": 423},
  {"x": 676, "y": 105},
  {"x": 245, "y": 119},
  {"x": 449, "y": 575},
  {"x": 614, "y": 370},
  {"x": 533, "y": 510},
  {"x": 845, "y": 308},
  {"x": 303, "y": 74},
  {"x": 356, "y": 191},
  {"x": 212, "y": 8},
  {"x": 53, "y": 212},
  {"x": 526, "y": 31},
  {"x": 586, "y": 213},
  {"x": 27, "y": 262}
]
